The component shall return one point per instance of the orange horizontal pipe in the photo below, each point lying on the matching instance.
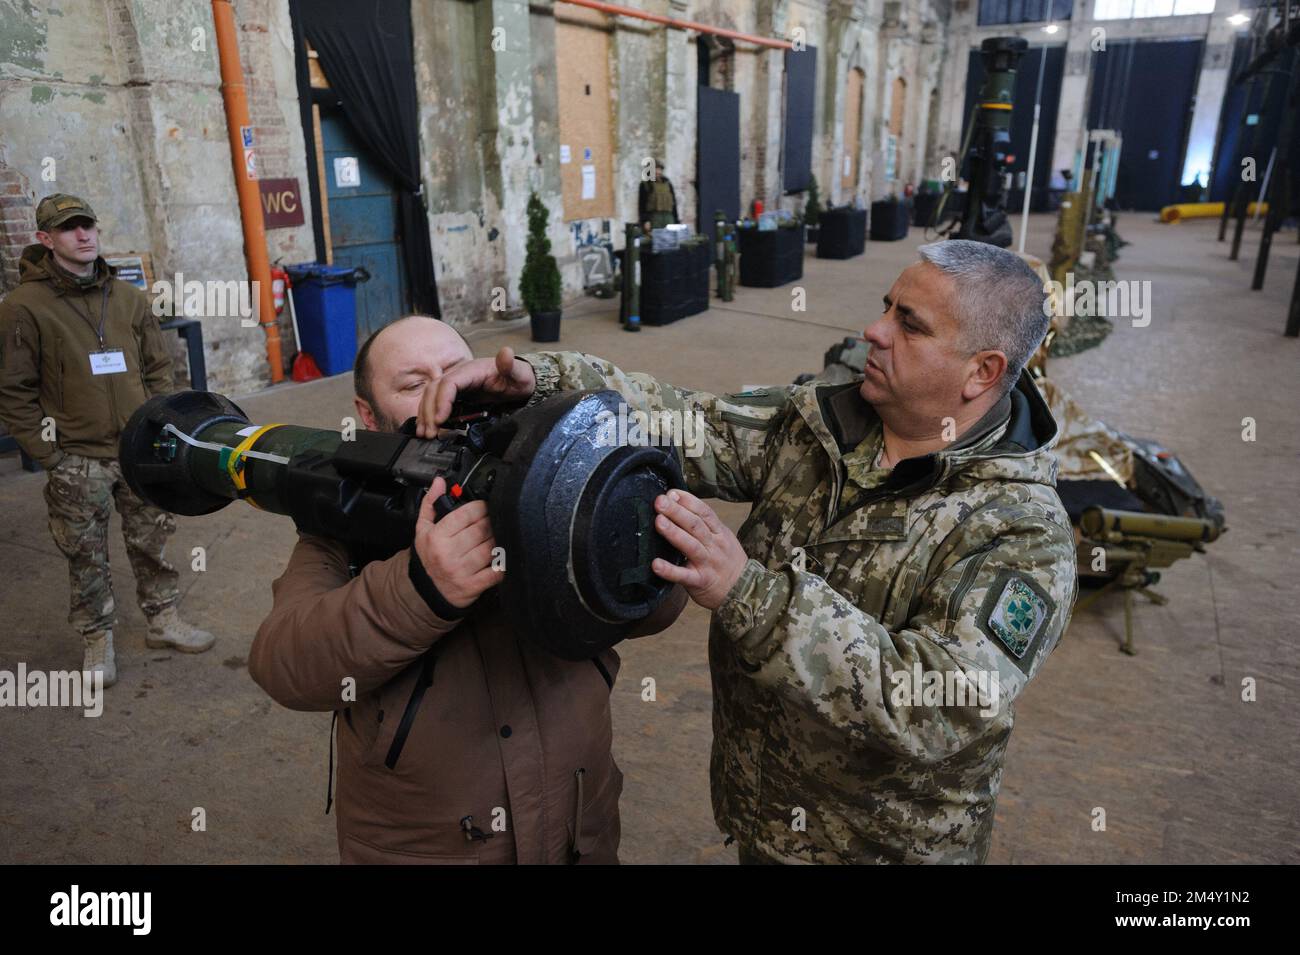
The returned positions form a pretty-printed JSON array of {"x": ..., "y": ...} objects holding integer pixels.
[{"x": 622, "y": 11}]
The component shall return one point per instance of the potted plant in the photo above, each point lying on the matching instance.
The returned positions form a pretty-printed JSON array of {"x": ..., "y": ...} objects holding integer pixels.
[
  {"x": 540, "y": 286},
  {"x": 812, "y": 210}
]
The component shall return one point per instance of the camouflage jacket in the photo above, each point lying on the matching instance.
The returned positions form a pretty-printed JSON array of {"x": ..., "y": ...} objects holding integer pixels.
[{"x": 843, "y": 730}]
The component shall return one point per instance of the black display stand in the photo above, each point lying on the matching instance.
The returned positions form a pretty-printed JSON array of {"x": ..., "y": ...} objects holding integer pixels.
[
  {"x": 923, "y": 206},
  {"x": 843, "y": 233},
  {"x": 674, "y": 284},
  {"x": 772, "y": 258},
  {"x": 889, "y": 220}
]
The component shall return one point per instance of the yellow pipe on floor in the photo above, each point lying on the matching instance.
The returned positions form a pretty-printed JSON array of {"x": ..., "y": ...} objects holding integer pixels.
[{"x": 1202, "y": 210}]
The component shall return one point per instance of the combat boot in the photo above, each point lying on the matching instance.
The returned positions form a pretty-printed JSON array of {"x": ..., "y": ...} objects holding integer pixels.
[
  {"x": 99, "y": 655},
  {"x": 168, "y": 631}
]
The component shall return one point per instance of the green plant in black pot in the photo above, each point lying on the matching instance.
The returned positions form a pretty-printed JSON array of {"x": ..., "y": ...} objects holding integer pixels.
[
  {"x": 540, "y": 285},
  {"x": 812, "y": 210}
]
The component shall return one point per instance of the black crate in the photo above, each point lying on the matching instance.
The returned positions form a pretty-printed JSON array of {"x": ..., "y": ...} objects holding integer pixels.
[
  {"x": 888, "y": 220},
  {"x": 769, "y": 259},
  {"x": 843, "y": 233},
  {"x": 674, "y": 284}
]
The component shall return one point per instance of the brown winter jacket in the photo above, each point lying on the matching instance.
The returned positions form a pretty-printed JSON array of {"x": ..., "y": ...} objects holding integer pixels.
[
  {"x": 48, "y": 328},
  {"x": 500, "y": 732}
]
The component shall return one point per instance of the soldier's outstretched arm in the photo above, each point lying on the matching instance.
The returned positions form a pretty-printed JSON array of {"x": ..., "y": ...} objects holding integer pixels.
[
  {"x": 722, "y": 440},
  {"x": 985, "y": 620}
]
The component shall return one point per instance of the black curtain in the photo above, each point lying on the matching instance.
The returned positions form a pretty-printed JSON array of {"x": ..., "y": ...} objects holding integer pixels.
[
  {"x": 365, "y": 50},
  {"x": 800, "y": 101},
  {"x": 717, "y": 157},
  {"x": 1155, "y": 140}
]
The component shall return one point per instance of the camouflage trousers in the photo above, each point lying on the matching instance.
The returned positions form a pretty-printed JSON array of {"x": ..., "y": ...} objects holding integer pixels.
[{"x": 79, "y": 494}]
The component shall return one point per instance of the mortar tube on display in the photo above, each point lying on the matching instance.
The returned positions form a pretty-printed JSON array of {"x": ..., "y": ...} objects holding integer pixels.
[{"x": 632, "y": 278}]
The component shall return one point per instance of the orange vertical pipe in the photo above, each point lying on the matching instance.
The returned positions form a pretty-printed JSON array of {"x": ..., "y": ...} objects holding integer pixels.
[{"x": 250, "y": 202}]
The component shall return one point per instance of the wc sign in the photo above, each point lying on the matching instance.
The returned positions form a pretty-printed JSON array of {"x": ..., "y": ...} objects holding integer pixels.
[{"x": 281, "y": 203}]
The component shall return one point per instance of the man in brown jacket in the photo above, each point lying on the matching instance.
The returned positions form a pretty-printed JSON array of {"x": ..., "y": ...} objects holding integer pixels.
[
  {"x": 80, "y": 350},
  {"x": 460, "y": 742}
]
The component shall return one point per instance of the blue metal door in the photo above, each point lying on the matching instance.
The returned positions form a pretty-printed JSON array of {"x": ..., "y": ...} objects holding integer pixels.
[{"x": 362, "y": 203}]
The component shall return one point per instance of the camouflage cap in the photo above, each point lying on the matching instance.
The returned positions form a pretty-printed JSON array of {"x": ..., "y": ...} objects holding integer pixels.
[{"x": 59, "y": 208}]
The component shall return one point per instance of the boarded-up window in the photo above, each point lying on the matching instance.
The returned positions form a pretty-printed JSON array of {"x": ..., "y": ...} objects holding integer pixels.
[
  {"x": 586, "y": 137},
  {"x": 897, "y": 105},
  {"x": 852, "y": 130}
]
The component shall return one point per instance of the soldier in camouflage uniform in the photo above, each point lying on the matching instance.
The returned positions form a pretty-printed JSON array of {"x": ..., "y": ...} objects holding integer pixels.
[
  {"x": 80, "y": 350},
  {"x": 905, "y": 533}
]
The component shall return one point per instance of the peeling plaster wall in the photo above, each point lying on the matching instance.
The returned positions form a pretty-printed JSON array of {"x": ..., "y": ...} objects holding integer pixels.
[
  {"x": 681, "y": 76},
  {"x": 914, "y": 36},
  {"x": 637, "y": 69},
  {"x": 511, "y": 169},
  {"x": 120, "y": 102},
  {"x": 452, "y": 68}
]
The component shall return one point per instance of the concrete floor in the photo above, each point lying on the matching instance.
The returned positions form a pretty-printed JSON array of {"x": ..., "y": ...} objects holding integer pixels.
[{"x": 1185, "y": 771}]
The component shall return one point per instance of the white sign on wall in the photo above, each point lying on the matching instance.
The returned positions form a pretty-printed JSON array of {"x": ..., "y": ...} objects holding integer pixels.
[
  {"x": 588, "y": 182},
  {"x": 566, "y": 156},
  {"x": 347, "y": 172}
]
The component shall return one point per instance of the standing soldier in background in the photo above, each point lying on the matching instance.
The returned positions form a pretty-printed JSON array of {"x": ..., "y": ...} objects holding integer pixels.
[
  {"x": 657, "y": 203},
  {"x": 79, "y": 351}
]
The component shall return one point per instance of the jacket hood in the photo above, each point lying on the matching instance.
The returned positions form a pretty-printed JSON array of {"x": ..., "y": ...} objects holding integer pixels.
[
  {"x": 37, "y": 264},
  {"x": 842, "y": 419}
]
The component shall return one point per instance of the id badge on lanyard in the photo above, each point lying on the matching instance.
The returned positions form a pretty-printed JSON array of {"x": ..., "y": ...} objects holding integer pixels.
[
  {"x": 105, "y": 361},
  {"x": 111, "y": 361}
]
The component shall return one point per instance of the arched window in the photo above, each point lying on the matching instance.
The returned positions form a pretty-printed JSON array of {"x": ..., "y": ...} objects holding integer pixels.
[
  {"x": 716, "y": 61},
  {"x": 852, "y": 129},
  {"x": 897, "y": 105}
]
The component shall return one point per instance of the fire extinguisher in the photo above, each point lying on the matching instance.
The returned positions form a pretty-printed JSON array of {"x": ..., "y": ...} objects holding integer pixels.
[
  {"x": 279, "y": 282},
  {"x": 304, "y": 367}
]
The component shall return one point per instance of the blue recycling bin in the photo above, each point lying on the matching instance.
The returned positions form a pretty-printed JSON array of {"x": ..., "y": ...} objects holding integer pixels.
[{"x": 325, "y": 300}]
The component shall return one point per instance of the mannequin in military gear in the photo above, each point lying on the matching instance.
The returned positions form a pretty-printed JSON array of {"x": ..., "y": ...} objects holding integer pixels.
[
  {"x": 906, "y": 569},
  {"x": 658, "y": 201}
]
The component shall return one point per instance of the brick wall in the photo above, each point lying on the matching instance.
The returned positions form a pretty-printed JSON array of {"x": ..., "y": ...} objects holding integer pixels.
[
  {"x": 17, "y": 223},
  {"x": 255, "y": 50}
]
